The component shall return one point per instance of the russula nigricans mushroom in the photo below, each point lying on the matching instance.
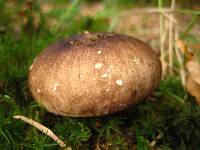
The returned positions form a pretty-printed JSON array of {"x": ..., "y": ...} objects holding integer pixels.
[{"x": 94, "y": 74}]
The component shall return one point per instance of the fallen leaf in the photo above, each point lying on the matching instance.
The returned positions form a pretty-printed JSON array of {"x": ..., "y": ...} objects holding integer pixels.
[
  {"x": 183, "y": 47},
  {"x": 193, "y": 88},
  {"x": 193, "y": 67}
]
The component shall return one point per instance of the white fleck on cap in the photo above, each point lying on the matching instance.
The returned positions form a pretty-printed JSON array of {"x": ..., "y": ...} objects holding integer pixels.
[{"x": 119, "y": 82}]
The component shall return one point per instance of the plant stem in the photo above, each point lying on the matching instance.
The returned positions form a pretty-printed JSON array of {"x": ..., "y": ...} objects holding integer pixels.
[{"x": 195, "y": 19}]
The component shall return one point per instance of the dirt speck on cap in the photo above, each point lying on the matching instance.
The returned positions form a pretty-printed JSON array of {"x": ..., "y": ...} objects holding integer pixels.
[{"x": 98, "y": 65}]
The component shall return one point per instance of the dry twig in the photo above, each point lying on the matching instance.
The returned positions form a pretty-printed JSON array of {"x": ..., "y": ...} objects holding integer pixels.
[
  {"x": 171, "y": 38},
  {"x": 42, "y": 128},
  {"x": 180, "y": 60},
  {"x": 162, "y": 24},
  {"x": 145, "y": 10},
  {"x": 153, "y": 143},
  {"x": 169, "y": 17}
]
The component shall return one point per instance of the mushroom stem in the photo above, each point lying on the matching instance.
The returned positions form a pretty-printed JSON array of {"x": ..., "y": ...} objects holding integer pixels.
[{"x": 42, "y": 128}]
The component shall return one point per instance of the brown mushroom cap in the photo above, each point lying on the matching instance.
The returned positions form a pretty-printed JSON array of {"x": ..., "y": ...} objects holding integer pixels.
[{"x": 94, "y": 74}]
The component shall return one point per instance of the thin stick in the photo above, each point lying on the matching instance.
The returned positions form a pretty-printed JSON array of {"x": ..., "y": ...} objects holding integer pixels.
[
  {"x": 145, "y": 10},
  {"x": 42, "y": 128},
  {"x": 180, "y": 60},
  {"x": 169, "y": 17},
  {"x": 163, "y": 37},
  {"x": 161, "y": 19},
  {"x": 171, "y": 38},
  {"x": 157, "y": 10},
  {"x": 153, "y": 143}
]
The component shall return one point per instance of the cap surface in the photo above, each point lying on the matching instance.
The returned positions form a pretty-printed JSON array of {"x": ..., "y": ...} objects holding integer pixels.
[{"x": 94, "y": 74}]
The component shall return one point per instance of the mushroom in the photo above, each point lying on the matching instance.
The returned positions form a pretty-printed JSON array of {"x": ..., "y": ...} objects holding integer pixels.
[{"x": 94, "y": 74}]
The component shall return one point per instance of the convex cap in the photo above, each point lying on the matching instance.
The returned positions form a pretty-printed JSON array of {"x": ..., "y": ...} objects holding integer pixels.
[{"x": 94, "y": 74}]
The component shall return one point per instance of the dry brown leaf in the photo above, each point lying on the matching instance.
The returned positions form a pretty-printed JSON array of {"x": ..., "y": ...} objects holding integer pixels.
[
  {"x": 193, "y": 88},
  {"x": 183, "y": 47},
  {"x": 193, "y": 67}
]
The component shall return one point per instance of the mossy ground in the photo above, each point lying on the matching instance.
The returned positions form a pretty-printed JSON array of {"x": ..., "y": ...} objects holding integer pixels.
[{"x": 170, "y": 117}]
